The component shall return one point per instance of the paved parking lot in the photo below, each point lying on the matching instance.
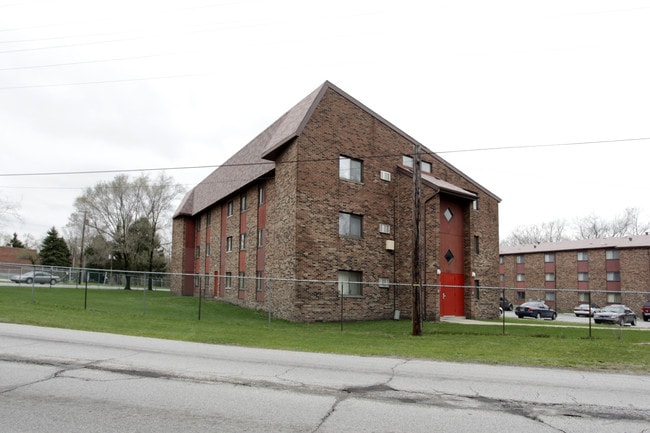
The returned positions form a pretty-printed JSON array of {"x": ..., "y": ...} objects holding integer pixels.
[{"x": 571, "y": 318}]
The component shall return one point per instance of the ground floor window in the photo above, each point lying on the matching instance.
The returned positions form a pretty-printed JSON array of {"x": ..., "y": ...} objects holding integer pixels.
[
  {"x": 549, "y": 296},
  {"x": 583, "y": 297},
  {"x": 521, "y": 296},
  {"x": 614, "y": 298},
  {"x": 350, "y": 283}
]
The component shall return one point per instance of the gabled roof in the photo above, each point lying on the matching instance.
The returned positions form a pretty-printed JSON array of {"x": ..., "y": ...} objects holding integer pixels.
[
  {"x": 256, "y": 158},
  {"x": 252, "y": 161},
  {"x": 640, "y": 241}
]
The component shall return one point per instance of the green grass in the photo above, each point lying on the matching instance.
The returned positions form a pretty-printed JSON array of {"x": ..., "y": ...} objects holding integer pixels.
[{"x": 160, "y": 315}]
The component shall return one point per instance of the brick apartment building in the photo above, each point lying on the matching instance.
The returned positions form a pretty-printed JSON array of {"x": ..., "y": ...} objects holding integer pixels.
[
  {"x": 564, "y": 274},
  {"x": 317, "y": 211}
]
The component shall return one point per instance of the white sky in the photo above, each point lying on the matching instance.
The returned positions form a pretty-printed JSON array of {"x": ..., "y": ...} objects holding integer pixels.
[{"x": 122, "y": 85}]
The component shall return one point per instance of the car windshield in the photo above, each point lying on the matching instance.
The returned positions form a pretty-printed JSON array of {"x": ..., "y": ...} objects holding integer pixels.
[{"x": 613, "y": 308}]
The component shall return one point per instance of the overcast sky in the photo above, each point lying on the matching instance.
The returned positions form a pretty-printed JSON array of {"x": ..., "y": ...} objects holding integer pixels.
[{"x": 90, "y": 86}]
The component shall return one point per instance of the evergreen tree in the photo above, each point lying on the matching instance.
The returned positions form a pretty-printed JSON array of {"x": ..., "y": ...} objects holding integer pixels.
[
  {"x": 15, "y": 242},
  {"x": 54, "y": 251}
]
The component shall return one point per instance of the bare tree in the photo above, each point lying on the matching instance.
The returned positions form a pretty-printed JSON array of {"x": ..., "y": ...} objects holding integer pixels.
[
  {"x": 626, "y": 224},
  {"x": 111, "y": 208},
  {"x": 546, "y": 232}
]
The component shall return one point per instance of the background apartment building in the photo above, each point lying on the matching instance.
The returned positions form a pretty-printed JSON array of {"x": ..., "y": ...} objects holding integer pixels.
[
  {"x": 565, "y": 274},
  {"x": 313, "y": 219}
]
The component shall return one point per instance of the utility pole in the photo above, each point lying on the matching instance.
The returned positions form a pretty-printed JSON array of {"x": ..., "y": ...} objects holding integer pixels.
[{"x": 417, "y": 259}]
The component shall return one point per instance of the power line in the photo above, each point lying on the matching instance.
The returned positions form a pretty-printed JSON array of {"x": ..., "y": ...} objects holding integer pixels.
[{"x": 215, "y": 166}]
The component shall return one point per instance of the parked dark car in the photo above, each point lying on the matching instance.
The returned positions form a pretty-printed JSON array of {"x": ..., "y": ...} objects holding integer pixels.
[
  {"x": 39, "y": 277},
  {"x": 645, "y": 311},
  {"x": 584, "y": 310},
  {"x": 536, "y": 309},
  {"x": 617, "y": 314},
  {"x": 505, "y": 304}
]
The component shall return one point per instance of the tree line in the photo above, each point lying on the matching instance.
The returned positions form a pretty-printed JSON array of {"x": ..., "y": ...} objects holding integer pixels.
[
  {"x": 590, "y": 227},
  {"x": 124, "y": 223}
]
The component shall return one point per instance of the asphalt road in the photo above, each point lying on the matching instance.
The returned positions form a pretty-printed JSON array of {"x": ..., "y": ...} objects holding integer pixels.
[{"x": 54, "y": 380}]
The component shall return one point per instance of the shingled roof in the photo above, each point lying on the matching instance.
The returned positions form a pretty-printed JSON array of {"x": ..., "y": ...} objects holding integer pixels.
[
  {"x": 256, "y": 158},
  {"x": 253, "y": 160},
  {"x": 638, "y": 241}
]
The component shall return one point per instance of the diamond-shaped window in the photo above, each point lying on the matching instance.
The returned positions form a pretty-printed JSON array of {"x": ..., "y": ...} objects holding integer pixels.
[
  {"x": 449, "y": 256},
  {"x": 448, "y": 215}
]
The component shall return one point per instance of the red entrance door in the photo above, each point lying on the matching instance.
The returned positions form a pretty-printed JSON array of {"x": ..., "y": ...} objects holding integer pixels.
[
  {"x": 452, "y": 295},
  {"x": 452, "y": 257}
]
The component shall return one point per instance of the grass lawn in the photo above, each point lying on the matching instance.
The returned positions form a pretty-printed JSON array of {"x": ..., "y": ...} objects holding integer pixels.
[{"x": 160, "y": 315}]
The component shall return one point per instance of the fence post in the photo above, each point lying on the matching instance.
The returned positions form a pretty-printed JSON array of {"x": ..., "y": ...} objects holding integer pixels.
[{"x": 270, "y": 312}]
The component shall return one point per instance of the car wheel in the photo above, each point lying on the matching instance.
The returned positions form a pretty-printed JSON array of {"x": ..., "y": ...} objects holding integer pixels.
[
  {"x": 597, "y": 322},
  {"x": 52, "y": 281},
  {"x": 538, "y": 316},
  {"x": 29, "y": 281},
  {"x": 621, "y": 321},
  {"x": 520, "y": 316},
  {"x": 633, "y": 322},
  {"x": 554, "y": 316}
]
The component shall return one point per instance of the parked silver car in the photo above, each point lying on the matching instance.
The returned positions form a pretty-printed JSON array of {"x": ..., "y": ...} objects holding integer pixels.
[
  {"x": 616, "y": 314},
  {"x": 39, "y": 277},
  {"x": 585, "y": 310}
]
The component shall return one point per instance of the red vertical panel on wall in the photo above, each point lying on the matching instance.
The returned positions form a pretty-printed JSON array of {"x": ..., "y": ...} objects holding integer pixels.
[
  {"x": 452, "y": 299},
  {"x": 188, "y": 258}
]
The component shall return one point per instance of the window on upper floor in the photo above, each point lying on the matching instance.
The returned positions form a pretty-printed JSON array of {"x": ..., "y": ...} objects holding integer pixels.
[
  {"x": 243, "y": 205},
  {"x": 407, "y": 161},
  {"x": 208, "y": 219},
  {"x": 350, "y": 224},
  {"x": 520, "y": 277},
  {"x": 229, "y": 244},
  {"x": 583, "y": 256},
  {"x": 242, "y": 281},
  {"x": 502, "y": 260},
  {"x": 549, "y": 258},
  {"x": 260, "y": 195},
  {"x": 476, "y": 245},
  {"x": 520, "y": 260},
  {"x": 583, "y": 276},
  {"x": 613, "y": 276},
  {"x": 612, "y": 254},
  {"x": 350, "y": 283},
  {"x": 549, "y": 276},
  {"x": 242, "y": 241},
  {"x": 230, "y": 208},
  {"x": 350, "y": 169}
]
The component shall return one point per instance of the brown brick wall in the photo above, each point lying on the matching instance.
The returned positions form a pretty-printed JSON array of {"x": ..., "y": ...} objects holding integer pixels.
[
  {"x": 302, "y": 241},
  {"x": 634, "y": 264}
]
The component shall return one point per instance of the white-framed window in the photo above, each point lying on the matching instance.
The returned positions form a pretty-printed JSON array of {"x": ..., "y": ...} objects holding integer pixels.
[
  {"x": 350, "y": 283},
  {"x": 502, "y": 260},
  {"x": 350, "y": 169},
  {"x": 614, "y": 298},
  {"x": 549, "y": 276},
  {"x": 583, "y": 276},
  {"x": 228, "y": 279},
  {"x": 260, "y": 195},
  {"x": 242, "y": 281},
  {"x": 229, "y": 244},
  {"x": 583, "y": 256},
  {"x": 475, "y": 204},
  {"x": 520, "y": 259},
  {"x": 243, "y": 203},
  {"x": 260, "y": 238},
  {"x": 502, "y": 277},
  {"x": 549, "y": 296},
  {"x": 350, "y": 224},
  {"x": 384, "y": 228},
  {"x": 520, "y": 277},
  {"x": 612, "y": 254},
  {"x": 583, "y": 297},
  {"x": 521, "y": 295},
  {"x": 230, "y": 208},
  {"x": 259, "y": 281},
  {"x": 242, "y": 241},
  {"x": 549, "y": 258},
  {"x": 407, "y": 161},
  {"x": 613, "y": 276},
  {"x": 207, "y": 249}
]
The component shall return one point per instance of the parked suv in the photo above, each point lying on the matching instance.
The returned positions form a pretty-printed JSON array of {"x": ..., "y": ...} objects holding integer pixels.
[{"x": 645, "y": 311}]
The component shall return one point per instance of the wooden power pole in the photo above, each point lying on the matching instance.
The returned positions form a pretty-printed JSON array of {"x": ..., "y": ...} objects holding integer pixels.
[{"x": 417, "y": 259}]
